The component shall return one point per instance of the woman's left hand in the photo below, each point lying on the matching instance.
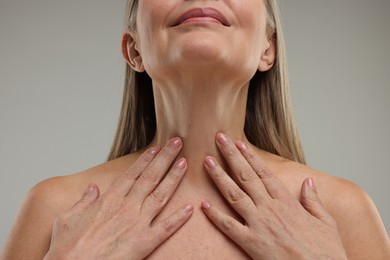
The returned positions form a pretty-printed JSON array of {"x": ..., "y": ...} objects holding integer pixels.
[{"x": 276, "y": 225}]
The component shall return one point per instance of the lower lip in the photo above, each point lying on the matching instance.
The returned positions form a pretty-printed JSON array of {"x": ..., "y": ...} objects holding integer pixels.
[{"x": 201, "y": 20}]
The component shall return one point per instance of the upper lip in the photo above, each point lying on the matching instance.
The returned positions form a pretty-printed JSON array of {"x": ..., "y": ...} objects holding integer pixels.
[{"x": 202, "y": 12}]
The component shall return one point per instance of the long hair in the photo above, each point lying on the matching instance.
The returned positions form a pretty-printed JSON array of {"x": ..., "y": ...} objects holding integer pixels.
[{"x": 269, "y": 122}]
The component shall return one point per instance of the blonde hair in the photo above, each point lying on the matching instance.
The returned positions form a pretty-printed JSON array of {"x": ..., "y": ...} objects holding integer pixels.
[{"x": 269, "y": 122}]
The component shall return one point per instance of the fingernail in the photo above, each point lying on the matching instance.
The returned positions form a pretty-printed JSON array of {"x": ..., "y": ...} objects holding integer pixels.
[
  {"x": 154, "y": 150},
  {"x": 222, "y": 138},
  {"x": 176, "y": 142},
  {"x": 241, "y": 146},
  {"x": 189, "y": 208},
  {"x": 181, "y": 163},
  {"x": 210, "y": 162},
  {"x": 89, "y": 188},
  {"x": 205, "y": 205},
  {"x": 312, "y": 184}
]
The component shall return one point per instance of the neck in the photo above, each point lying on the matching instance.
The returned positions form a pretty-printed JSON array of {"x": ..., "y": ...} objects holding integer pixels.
[{"x": 196, "y": 113}]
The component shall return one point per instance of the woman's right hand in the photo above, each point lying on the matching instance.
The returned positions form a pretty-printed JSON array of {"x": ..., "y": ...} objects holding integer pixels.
[{"x": 119, "y": 223}]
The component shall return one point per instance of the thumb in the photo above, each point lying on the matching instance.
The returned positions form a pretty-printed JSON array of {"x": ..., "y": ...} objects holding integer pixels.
[
  {"x": 311, "y": 201},
  {"x": 90, "y": 195}
]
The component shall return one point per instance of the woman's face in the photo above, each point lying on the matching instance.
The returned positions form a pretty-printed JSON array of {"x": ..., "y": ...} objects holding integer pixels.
[{"x": 179, "y": 34}]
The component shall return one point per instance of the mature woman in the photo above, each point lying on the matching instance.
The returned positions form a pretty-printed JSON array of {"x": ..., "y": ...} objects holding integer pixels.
[{"x": 206, "y": 163}]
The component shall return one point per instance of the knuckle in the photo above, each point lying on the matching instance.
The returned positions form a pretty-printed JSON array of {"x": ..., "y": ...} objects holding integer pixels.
[
  {"x": 131, "y": 174},
  {"x": 227, "y": 224},
  {"x": 147, "y": 157},
  {"x": 108, "y": 198},
  {"x": 236, "y": 195},
  {"x": 150, "y": 175},
  {"x": 230, "y": 153},
  {"x": 270, "y": 208},
  {"x": 263, "y": 172},
  {"x": 166, "y": 156},
  {"x": 168, "y": 153},
  {"x": 110, "y": 202},
  {"x": 246, "y": 175},
  {"x": 218, "y": 174},
  {"x": 264, "y": 241},
  {"x": 249, "y": 155},
  {"x": 309, "y": 202},
  {"x": 168, "y": 226},
  {"x": 249, "y": 239},
  {"x": 175, "y": 175},
  {"x": 158, "y": 197}
]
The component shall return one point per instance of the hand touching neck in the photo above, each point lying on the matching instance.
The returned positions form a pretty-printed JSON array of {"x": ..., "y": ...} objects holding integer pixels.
[{"x": 196, "y": 113}]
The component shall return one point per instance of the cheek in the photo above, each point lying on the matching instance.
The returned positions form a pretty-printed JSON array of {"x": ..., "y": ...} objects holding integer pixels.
[
  {"x": 252, "y": 41},
  {"x": 251, "y": 18},
  {"x": 150, "y": 21}
]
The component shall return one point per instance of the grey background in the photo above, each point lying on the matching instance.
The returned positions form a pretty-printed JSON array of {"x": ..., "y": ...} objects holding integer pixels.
[{"x": 61, "y": 75}]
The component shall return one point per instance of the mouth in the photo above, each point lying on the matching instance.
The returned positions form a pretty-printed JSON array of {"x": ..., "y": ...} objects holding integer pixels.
[{"x": 202, "y": 15}]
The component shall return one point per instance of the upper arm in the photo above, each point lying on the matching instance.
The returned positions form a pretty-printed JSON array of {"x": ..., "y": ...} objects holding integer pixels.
[
  {"x": 361, "y": 228},
  {"x": 31, "y": 234}
]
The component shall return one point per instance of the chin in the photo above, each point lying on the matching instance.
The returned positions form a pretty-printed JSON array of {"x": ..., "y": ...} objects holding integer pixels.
[{"x": 202, "y": 50}]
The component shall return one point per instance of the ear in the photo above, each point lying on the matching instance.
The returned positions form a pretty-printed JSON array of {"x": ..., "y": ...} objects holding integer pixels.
[
  {"x": 268, "y": 57},
  {"x": 131, "y": 52}
]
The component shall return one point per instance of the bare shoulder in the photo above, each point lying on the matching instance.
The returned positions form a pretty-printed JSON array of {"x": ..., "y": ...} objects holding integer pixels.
[
  {"x": 31, "y": 234},
  {"x": 361, "y": 228}
]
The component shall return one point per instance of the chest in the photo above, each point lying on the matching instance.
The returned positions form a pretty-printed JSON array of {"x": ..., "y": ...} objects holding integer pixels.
[{"x": 198, "y": 238}]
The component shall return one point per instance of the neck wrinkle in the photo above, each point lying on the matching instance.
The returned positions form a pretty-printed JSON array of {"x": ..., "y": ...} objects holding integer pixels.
[{"x": 196, "y": 115}]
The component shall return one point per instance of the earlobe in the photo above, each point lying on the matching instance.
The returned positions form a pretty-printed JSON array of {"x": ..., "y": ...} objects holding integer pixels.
[
  {"x": 268, "y": 58},
  {"x": 131, "y": 53}
]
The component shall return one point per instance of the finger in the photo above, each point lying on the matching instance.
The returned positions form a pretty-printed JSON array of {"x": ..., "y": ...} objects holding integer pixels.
[
  {"x": 90, "y": 195},
  {"x": 312, "y": 203},
  {"x": 165, "y": 228},
  {"x": 156, "y": 201},
  {"x": 274, "y": 186},
  {"x": 236, "y": 197},
  {"x": 245, "y": 176},
  {"x": 124, "y": 183},
  {"x": 228, "y": 225},
  {"x": 152, "y": 175}
]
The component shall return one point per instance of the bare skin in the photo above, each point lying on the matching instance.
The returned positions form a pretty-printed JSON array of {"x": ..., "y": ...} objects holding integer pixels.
[
  {"x": 200, "y": 89},
  {"x": 274, "y": 224},
  {"x": 119, "y": 224},
  {"x": 346, "y": 203}
]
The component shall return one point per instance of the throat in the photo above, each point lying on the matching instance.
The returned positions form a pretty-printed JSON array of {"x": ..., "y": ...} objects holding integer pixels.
[{"x": 196, "y": 116}]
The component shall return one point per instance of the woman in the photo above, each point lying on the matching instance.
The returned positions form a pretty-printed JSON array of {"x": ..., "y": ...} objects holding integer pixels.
[{"x": 233, "y": 186}]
